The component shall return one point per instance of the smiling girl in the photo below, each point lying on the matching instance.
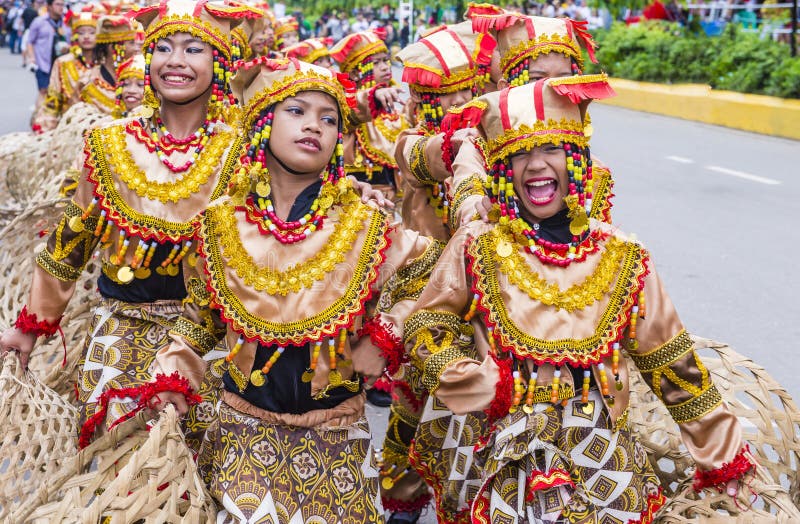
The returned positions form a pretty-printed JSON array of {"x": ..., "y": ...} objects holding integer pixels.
[
  {"x": 532, "y": 323},
  {"x": 313, "y": 287},
  {"x": 142, "y": 183}
]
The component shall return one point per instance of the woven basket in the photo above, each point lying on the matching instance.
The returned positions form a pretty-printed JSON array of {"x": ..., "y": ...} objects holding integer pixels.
[
  {"x": 20, "y": 239},
  {"x": 771, "y": 425},
  {"x": 133, "y": 473},
  {"x": 39, "y": 434}
]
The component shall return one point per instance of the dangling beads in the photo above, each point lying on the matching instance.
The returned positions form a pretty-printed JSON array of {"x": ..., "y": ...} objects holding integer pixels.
[
  {"x": 576, "y": 70},
  {"x": 432, "y": 112},
  {"x": 555, "y": 386},
  {"x": 601, "y": 368},
  {"x": 528, "y": 407},
  {"x": 519, "y": 390},
  {"x": 473, "y": 306},
  {"x": 312, "y": 365},
  {"x": 287, "y": 232},
  {"x": 232, "y": 354},
  {"x": 519, "y": 75},
  {"x": 587, "y": 378},
  {"x": 259, "y": 377},
  {"x": 366, "y": 74},
  {"x": 118, "y": 53}
]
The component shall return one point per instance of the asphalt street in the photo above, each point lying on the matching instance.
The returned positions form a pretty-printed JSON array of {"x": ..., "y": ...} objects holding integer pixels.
[{"x": 717, "y": 209}]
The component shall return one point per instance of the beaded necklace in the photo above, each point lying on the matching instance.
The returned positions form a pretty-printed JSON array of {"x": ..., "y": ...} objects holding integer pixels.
[{"x": 198, "y": 140}]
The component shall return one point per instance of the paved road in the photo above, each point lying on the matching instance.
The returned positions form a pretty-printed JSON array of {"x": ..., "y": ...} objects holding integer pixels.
[{"x": 716, "y": 207}]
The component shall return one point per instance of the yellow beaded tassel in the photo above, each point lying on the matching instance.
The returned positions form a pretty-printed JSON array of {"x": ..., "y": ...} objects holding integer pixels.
[
  {"x": 519, "y": 389},
  {"x": 259, "y": 377},
  {"x": 334, "y": 376},
  {"x": 473, "y": 306},
  {"x": 603, "y": 380},
  {"x": 587, "y": 374},
  {"x": 528, "y": 407},
  {"x": 98, "y": 230},
  {"x": 308, "y": 374},
  {"x": 232, "y": 353},
  {"x": 556, "y": 382}
]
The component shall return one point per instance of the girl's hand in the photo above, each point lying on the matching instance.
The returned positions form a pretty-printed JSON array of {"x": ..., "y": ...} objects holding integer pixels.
[{"x": 13, "y": 339}]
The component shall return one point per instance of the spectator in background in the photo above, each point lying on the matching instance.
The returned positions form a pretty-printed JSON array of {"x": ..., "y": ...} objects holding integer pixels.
[
  {"x": 405, "y": 33},
  {"x": 47, "y": 36},
  {"x": 334, "y": 28},
  {"x": 360, "y": 24},
  {"x": 421, "y": 29}
]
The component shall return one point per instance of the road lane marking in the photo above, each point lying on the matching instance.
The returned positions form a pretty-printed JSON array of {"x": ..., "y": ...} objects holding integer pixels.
[
  {"x": 746, "y": 176},
  {"x": 680, "y": 159}
]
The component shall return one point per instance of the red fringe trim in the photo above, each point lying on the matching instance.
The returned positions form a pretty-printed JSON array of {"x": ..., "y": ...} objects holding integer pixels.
[
  {"x": 405, "y": 389},
  {"x": 29, "y": 323},
  {"x": 654, "y": 503},
  {"x": 425, "y": 471},
  {"x": 340, "y": 55},
  {"x": 468, "y": 117},
  {"x": 486, "y": 17},
  {"x": 486, "y": 47},
  {"x": 383, "y": 384},
  {"x": 391, "y": 346},
  {"x": 584, "y": 91},
  {"x": 502, "y": 397},
  {"x": 539, "y": 480},
  {"x": 582, "y": 34},
  {"x": 421, "y": 77},
  {"x": 717, "y": 478},
  {"x": 374, "y": 110},
  {"x": 396, "y": 506},
  {"x": 339, "y": 321},
  {"x": 145, "y": 393},
  {"x": 447, "y": 150}
]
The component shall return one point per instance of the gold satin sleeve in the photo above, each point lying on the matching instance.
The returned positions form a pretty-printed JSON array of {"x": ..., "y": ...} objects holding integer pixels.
[
  {"x": 669, "y": 364},
  {"x": 196, "y": 332},
  {"x": 441, "y": 344},
  {"x": 466, "y": 189},
  {"x": 60, "y": 264},
  {"x": 418, "y": 178}
]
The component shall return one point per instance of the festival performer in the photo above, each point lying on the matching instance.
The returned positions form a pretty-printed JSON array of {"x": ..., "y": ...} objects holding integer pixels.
[
  {"x": 143, "y": 181},
  {"x": 67, "y": 70},
  {"x": 532, "y": 321},
  {"x": 313, "y": 287},
  {"x": 530, "y": 48},
  {"x": 369, "y": 148},
  {"x": 312, "y": 50},
  {"x": 116, "y": 42},
  {"x": 130, "y": 85},
  {"x": 369, "y": 142},
  {"x": 444, "y": 70},
  {"x": 255, "y": 36},
  {"x": 287, "y": 32}
]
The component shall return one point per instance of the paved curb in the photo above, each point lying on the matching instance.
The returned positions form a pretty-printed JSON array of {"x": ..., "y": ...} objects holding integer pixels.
[{"x": 762, "y": 114}]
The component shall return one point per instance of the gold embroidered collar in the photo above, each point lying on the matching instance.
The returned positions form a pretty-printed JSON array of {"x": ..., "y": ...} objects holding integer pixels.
[
  {"x": 218, "y": 226},
  {"x": 102, "y": 171},
  {"x": 612, "y": 321}
]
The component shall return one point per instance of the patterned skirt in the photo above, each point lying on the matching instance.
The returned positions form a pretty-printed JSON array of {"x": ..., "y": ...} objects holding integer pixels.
[
  {"x": 269, "y": 473},
  {"x": 119, "y": 349},
  {"x": 565, "y": 465},
  {"x": 442, "y": 453}
]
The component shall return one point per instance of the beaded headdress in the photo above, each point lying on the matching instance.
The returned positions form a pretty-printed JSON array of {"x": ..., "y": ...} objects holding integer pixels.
[
  {"x": 210, "y": 22},
  {"x": 521, "y": 38},
  {"x": 549, "y": 111},
  {"x": 86, "y": 17},
  {"x": 310, "y": 50},
  {"x": 130, "y": 68},
  {"x": 284, "y": 26},
  {"x": 112, "y": 29},
  {"x": 447, "y": 60},
  {"x": 356, "y": 48},
  {"x": 259, "y": 85}
]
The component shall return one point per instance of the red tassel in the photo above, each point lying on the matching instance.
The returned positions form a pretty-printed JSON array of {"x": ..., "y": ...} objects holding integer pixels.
[
  {"x": 502, "y": 397},
  {"x": 421, "y": 77},
  {"x": 486, "y": 46},
  {"x": 582, "y": 32},
  {"x": 469, "y": 116},
  {"x": 718, "y": 478},
  {"x": 382, "y": 337},
  {"x": 145, "y": 393},
  {"x": 589, "y": 90},
  {"x": 487, "y": 17}
]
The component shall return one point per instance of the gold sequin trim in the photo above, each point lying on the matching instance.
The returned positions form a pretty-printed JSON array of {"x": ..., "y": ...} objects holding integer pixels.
[
  {"x": 123, "y": 163},
  {"x": 424, "y": 319},
  {"x": 298, "y": 276},
  {"x": 467, "y": 188},
  {"x": 172, "y": 24},
  {"x": 419, "y": 165},
  {"x": 696, "y": 407},
  {"x": 576, "y": 351},
  {"x": 370, "y": 151},
  {"x": 61, "y": 271},
  {"x": 601, "y": 199},
  {"x": 542, "y": 44},
  {"x": 239, "y": 378},
  {"x": 525, "y": 137},
  {"x": 577, "y": 296},
  {"x": 92, "y": 94},
  {"x": 327, "y": 322},
  {"x": 436, "y": 364},
  {"x": 409, "y": 281},
  {"x": 132, "y": 220},
  {"x": 666, "y": 354},
  {"x": 197, "y": 335}
]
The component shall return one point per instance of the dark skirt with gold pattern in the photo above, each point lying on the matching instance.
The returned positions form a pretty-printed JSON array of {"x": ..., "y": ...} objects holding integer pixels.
[
  {"x": 269, "y": 473},
  {"x": 565, "y": 464},
  {"x": 118, "y": 351}
]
